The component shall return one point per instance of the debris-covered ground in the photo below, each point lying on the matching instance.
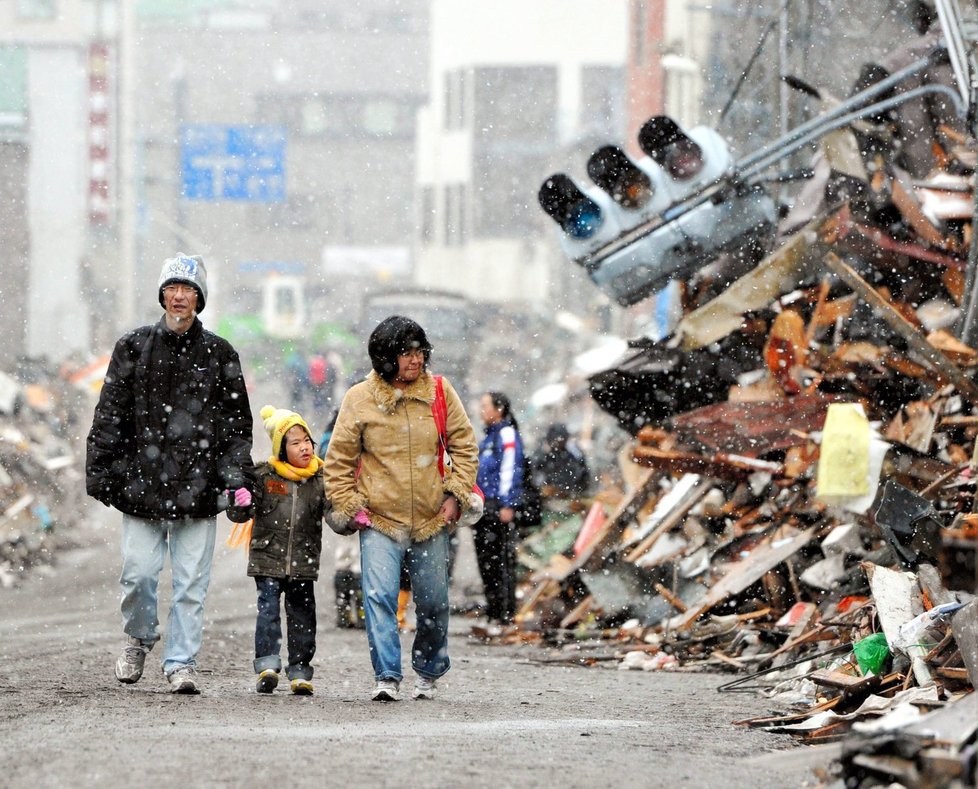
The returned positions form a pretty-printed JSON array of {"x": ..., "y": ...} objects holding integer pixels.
[
  {"x": 798, "y": 505},
  {"x": 41, "y": 473}
]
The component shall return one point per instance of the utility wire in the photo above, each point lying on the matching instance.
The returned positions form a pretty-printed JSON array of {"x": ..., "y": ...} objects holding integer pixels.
[{"x": 753, "y": 58}]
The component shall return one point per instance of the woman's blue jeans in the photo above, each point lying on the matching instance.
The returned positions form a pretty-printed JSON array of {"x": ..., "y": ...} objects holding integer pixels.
[{"x": 427, "y": 564}]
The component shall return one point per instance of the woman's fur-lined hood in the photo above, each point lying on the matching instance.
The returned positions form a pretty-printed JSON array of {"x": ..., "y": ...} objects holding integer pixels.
[{"x": 387, "y": 395}]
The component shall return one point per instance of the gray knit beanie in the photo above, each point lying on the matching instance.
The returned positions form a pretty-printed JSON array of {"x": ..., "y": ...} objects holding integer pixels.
[{"x": 189, "y": 269}]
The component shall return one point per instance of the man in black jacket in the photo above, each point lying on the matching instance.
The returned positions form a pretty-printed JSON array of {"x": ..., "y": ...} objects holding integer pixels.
[{"x": 171, "y": 433}]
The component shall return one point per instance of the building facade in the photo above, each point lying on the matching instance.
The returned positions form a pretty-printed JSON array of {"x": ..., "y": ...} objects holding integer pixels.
[
  {"x": 515, "y": 88},
  {"x": 44, "y": 111}
]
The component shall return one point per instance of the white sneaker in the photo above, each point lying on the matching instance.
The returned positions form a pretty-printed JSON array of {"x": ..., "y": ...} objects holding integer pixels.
[
  {"x": 129, "y": 666},
  {"x": 424, "y": 688},
  {"x": 183, "y": 680},
  {"x": 386, "y": 690}
]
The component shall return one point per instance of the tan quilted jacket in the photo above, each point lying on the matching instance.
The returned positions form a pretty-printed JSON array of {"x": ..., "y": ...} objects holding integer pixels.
[{"x": 383, "y": 457}]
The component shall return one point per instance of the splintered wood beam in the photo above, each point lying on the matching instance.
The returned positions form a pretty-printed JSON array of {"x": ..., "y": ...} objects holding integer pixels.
[
  {"x": 594, "y": 555},
  {"x": 941, "y": 364},
  {"x": 742, "y": 574}
]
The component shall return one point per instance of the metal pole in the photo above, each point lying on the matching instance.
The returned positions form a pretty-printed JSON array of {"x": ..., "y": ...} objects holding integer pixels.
[
  {"x": 783, "y": 109},
  {"x": 968, "y": 324},
  {"x": 127, "y": 164}
]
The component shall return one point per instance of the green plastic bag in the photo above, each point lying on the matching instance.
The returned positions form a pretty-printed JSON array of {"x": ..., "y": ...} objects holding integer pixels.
[{"x": 871, "y": 653}]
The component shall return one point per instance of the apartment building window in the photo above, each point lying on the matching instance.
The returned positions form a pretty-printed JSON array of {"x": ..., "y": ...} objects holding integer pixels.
[
  {"x": 36, "y": 9},
  {"x": 426, "y": 203},
  {"x": 363, "y": 116},
  {"x": 514, "y": 132},
  {"x": 455, "y": 103},
  {"x": 13, "y": 87},
  {"x": 505, "y": 204},
  {"x": 516, "y": 103},
  {"x": 602, "y": 98},
  {"x": 455, "y": 214}
]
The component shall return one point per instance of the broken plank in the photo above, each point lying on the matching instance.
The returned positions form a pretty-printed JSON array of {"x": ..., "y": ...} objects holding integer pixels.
[
  {"x": 846, "y": 682},
  {"x": 594, "y": 554},
  {"x": 718, "y": 466},
  {"x": 744, "y": 573},
  {"x": 947, "y": 369},
  {"x": 778, "y": 273},
  {"x": 674, "y": 601},
  {"x": 578, "y": 612},
  {"x": 669, "y": 520}
]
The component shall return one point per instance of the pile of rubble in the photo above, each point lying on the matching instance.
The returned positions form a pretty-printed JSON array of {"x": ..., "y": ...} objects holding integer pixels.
[
  {"x": 42, "y": 480},
  {"x": 802, "y": 508}
]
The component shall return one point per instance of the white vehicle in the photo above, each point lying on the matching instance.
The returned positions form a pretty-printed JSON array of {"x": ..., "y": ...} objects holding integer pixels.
[{"x": 283, "y": 308}]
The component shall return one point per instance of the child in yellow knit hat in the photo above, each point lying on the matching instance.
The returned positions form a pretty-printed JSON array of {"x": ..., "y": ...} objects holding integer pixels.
[{"x": 288, "y": 508}]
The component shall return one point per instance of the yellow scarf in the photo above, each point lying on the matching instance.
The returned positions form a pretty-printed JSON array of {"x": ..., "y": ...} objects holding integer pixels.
[{"x": 288, "y": 471}]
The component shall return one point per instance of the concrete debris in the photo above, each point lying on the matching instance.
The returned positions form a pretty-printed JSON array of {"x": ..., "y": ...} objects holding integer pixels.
[
  {"x": 723, "y": 554},
  {"x": 42, "y": 476}
]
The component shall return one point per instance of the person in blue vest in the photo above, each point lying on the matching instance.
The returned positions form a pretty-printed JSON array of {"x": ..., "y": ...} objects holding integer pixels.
[{"x": 501, "y": 479}]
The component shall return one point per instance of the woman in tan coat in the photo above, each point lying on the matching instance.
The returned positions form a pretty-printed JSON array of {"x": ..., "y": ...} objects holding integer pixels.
[{"x": 382, "y": 478}]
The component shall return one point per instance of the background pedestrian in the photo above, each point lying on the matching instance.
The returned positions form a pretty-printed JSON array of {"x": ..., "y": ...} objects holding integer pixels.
[{"x": 501, "y": 478}]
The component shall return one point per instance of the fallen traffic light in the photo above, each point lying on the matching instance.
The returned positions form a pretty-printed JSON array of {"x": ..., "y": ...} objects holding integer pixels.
[{"x": 678, "y": 201}]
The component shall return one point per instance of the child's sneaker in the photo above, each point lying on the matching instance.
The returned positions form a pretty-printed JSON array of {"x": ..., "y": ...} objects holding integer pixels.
[
  {"x": 267, "y": 681},
  {"x": 424, "y": 688},
  {"x": 386, "y": 690},
  {"x": 301, "y": 687}
]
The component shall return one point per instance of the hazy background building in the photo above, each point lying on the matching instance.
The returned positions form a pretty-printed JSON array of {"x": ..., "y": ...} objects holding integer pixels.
[
  {"x": 355, "y": 144},
  {"x": 43, "y": 178}
]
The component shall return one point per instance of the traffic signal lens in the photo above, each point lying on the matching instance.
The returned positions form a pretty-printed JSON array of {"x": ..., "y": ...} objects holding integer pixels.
[
  {"x": 618, "y": 175},
  {"x": 683, "y": 159},
  {"x": 576, "y": 213},
  {"x": 662, "y": 139}
]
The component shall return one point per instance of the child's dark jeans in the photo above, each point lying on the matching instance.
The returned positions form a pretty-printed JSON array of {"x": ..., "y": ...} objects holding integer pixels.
[{"x": 300, "y": 614}]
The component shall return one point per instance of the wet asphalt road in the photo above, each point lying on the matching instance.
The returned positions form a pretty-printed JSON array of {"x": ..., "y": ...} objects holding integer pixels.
[{"x": 502, "y": 717}]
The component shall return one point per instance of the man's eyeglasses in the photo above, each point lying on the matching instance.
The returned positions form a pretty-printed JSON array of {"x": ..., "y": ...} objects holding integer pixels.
[{"x": 173, "y": 290}]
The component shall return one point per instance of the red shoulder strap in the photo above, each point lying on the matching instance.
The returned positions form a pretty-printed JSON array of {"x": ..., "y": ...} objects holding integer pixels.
[{"x": 439, "y": 410}]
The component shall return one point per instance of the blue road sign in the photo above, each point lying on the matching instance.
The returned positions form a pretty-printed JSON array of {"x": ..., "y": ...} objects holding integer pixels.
[{"x": 238, "y": 163}]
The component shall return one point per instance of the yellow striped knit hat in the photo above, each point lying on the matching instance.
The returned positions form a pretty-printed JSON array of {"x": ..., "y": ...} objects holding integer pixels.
[{"x": 278, "y": 422}]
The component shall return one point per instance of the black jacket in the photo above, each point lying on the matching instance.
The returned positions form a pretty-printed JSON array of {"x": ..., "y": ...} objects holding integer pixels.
[
  {"x": 287, "y": 537},
  {"x": 172, "y": 428},
  {"x": 562, "y": 472}
]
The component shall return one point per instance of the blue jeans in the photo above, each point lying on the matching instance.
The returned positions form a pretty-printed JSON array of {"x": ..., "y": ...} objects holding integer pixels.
[
  {"x": 144, "y": 547},
  {"x": 427, "y": 564},
  {"x": 300, "y": 615}
]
